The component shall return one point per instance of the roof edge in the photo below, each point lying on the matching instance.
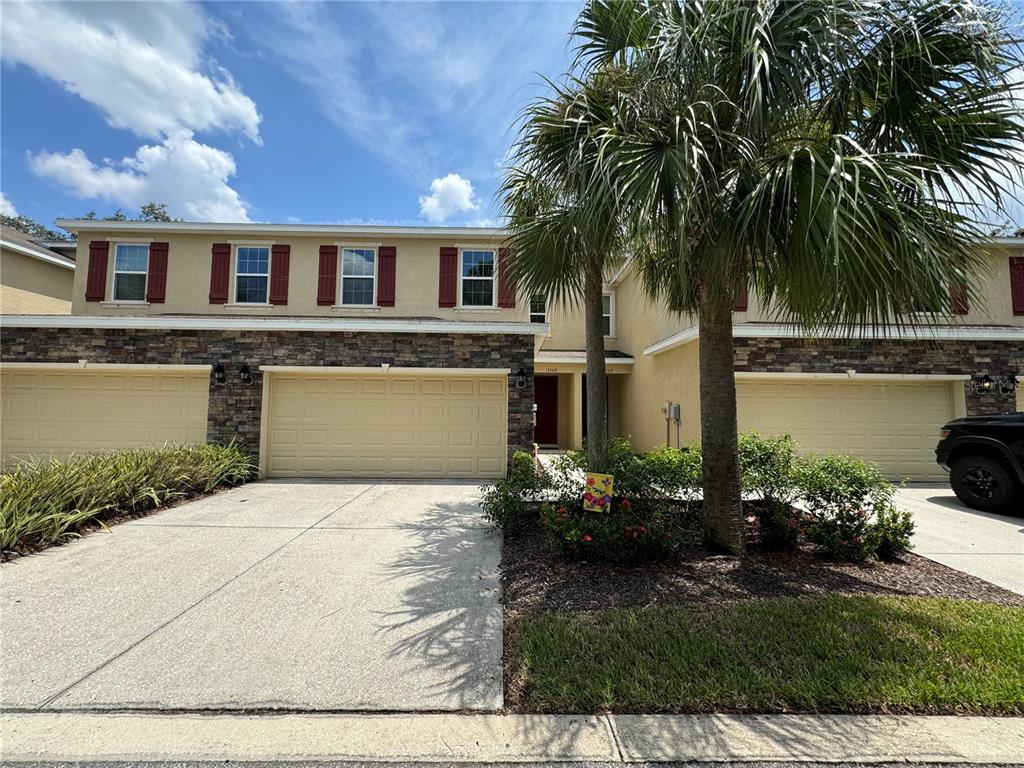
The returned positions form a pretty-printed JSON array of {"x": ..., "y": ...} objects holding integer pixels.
[{"x": 99, "y": 225}]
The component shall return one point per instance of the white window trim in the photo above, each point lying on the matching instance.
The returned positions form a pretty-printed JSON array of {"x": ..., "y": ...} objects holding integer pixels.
[
  {"x": 493, "y": 278},
  {"x": 611, "y": 312},
  {"x": 114, "y": 272},
  {"x": 531, "y": 313},
  {"x": 341, "y": 275},
  {"x": 233, "y": 297}
]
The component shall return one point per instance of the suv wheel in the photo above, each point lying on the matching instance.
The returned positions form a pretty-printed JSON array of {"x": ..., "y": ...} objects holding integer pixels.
[{"x": 982, "y": 483}]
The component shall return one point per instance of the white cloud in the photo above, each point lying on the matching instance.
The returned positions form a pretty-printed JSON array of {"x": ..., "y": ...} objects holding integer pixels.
[
  {"x": 142, "y": 64},
  {"x": 6, "y": 206},
  {"x": 448, "y": 195},
  {"x": 191, "y": 178}
]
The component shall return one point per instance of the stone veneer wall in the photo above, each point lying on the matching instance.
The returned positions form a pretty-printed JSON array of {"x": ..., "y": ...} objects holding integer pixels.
[
  {"x": 996, "y": 358},
  {"x": 234, "y": 409}
]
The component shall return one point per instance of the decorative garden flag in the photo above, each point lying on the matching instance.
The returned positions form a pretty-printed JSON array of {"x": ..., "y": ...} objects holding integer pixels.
[{"x": 598, "y": 495}]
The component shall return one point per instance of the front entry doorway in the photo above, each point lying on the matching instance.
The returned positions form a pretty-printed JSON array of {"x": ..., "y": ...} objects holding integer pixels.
[{"x": 545, "y": 398}]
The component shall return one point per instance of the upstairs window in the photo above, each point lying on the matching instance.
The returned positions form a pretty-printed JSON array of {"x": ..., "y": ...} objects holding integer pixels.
[
  {"x": 538, "y": 309},
  {"x": 131, "y": 263},
  {"x": 476, "y": 278},
  {"x": 358, "y": 275},
  {"x": 607, "y": 307},
  {"x": 252, "y": 274}
]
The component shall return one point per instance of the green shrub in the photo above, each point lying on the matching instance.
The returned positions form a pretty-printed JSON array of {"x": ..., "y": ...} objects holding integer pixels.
[
  {"x": 626, "y": 532},
  {"x": 893, "y": 529},
  {"x": 768, "y": 473},
  {"x": 507, "y": 503},
  {"x": 842, "y": 495},
  {"x": 673, "y": 472},
  {"x": 43, "y": 500}
]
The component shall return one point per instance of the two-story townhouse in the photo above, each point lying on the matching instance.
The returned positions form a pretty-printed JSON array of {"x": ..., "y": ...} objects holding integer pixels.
[
  {"x": 405, "y": 351},
  {"x": 325, "y": 350},
  {"x": 881, "y": 393}
]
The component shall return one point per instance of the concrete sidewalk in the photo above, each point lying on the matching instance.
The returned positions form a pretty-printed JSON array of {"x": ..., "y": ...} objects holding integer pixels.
[{"x": 88, "y": 737}]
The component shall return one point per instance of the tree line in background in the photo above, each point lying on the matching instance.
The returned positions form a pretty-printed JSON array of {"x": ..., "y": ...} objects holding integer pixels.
[{"x": 151, "y": 211}]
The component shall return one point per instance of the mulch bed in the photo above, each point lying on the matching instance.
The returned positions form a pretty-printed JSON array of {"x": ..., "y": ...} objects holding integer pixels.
[{"x": 535, "y": 580}]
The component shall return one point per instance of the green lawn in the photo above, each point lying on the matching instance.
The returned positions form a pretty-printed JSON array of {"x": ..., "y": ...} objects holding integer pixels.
[{"x": 829, "y": 654}]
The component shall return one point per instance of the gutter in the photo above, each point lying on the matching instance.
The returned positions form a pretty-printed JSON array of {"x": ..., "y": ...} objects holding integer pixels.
[
  {"x": 51, "y": 258},
  {"x": 199, "y": 227}
]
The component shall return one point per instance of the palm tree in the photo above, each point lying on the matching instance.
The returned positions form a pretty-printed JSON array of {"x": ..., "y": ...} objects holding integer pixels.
[
  {"x": 564, "y": 226},
  {"x": 839, "y": 156}
]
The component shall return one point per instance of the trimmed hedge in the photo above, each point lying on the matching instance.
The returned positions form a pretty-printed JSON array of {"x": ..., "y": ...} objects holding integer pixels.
[{"x": 44, "y": 500}]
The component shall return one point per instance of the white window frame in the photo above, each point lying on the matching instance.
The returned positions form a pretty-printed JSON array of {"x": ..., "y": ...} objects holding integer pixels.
[
  {"x": 493, "y": 278},
  {"x": 341, "y": 274},
  {"x": 233, "y": 298},
  {"x": 544, "y": 314},
  {"x": 114, "y": 272},
  {"x": 611, "y": 313}
]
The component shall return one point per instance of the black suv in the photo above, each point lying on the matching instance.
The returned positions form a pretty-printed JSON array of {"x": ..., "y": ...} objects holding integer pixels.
[{"x": 984, "y": 456}]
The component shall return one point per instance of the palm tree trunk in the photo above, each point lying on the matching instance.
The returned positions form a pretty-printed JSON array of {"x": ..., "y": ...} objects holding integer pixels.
[
  {"x": 597, "y": 383},
  {"x": 723, "y": 513}
]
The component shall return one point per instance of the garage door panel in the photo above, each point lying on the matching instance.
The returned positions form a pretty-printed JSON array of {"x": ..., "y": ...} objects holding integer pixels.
[
  {"x": 893, "y": 424},
  {"x": 81, "y": 411},
  {"x": 387, "y": 425}
]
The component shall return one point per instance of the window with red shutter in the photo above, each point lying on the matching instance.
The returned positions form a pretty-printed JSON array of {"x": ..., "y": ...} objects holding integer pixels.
[
  {"x": 96, "y": 279},
  {"x": 958, "y": 299},
  {"x": 506, "y": 279},
  {"x": 220, "y": 272},
  {"x": 1017, "y": 284},
  {"x": 447, "y": 276},
  {"x": 156, "y": 285},
  {"x": 741, "y": 298},
  {"x": 386, "y": 264},
  {"x": 280, "y": 259},
  {"x": 327, "y": 277}
]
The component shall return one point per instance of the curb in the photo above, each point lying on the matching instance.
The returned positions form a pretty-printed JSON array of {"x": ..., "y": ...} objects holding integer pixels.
[{"x": 135, "y": 737}]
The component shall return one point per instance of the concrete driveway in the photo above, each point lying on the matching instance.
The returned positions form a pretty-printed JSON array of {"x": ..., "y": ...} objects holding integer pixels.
[
  {"x": 300, "y": 595},
  {"x": 982, "y": 544}
]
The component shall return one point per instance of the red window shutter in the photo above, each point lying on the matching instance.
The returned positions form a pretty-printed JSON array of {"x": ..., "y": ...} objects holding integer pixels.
[
  {"x": 506, "y": 279},
  {"x": 448, "y": 279},
  {"x": 386, "y": 258},
  {"x": 327, "y": 282},
  {"x": 741, "y": 298},
  {"x": 280, "y": 258},
  {"x": 96, "y": 279},
  {"x": 220, "y": 273},
  {"x": 1017, "y": 284},
  {"x": 156, "y": 283},
  {"x": 958, "y": 299}
]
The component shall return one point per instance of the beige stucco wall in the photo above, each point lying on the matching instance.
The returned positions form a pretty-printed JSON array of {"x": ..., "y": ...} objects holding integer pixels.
[
  {"x": 188, "y": 278},
  {"x": 31, "y": 286}
]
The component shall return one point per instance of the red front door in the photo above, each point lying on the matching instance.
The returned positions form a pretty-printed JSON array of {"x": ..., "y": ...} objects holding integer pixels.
[{"x": 545, "y": 397}]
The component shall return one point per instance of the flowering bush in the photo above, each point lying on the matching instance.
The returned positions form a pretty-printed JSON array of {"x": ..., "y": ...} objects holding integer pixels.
[
  {"x": 850, "y": 507},
  {"x": 782, "y": 526},
  {"x": 626, "y": 531}
]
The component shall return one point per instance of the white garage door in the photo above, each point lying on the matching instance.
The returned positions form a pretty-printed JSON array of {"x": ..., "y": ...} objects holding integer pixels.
[
  {"x": 894, "y": 424},
  {"x": 385, "y": 425},
  {"x": 63, "y": 411}
]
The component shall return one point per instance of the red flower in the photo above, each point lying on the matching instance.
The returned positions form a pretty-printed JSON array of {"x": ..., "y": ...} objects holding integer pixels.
[
  {"x": 587, "y": 537},
  {"x": 590, "y": 481}
]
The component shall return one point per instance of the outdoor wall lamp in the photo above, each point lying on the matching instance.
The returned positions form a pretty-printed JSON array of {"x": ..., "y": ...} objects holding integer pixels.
[
  {"x": 219, "y": 377},
  {"x": 245, "y": 374},
  {"x": 521, "y": 378}
]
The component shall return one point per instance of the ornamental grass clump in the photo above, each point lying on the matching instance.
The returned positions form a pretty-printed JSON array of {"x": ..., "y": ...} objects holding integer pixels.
[{"x": 42, "y": 501}]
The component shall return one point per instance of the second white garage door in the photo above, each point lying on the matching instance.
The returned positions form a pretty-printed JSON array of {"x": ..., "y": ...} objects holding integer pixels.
[
  {"x": 894, "y": 424},
  {"x": 385, "y": 425}
]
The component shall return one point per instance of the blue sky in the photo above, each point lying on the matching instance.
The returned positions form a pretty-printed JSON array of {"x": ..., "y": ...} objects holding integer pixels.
[{"x": 314, "y": 112}]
